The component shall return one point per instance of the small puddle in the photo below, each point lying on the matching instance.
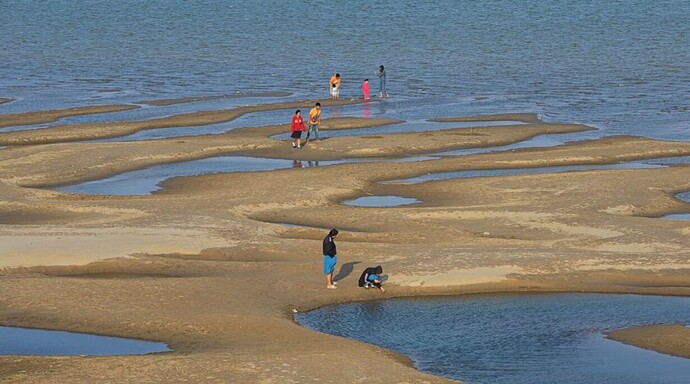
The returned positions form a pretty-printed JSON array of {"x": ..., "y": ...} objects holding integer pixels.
[
  {"x": 381, "y": 201},
  {"x": 685, "y": 196},
  {"x": 678, "y": 216},
  {"x": 24, "y": 341}
]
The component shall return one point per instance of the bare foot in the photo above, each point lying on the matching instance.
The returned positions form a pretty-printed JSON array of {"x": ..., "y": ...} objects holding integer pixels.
[
  {"x": 331, "y": 286},
  {"x": 383, "y": 290}
]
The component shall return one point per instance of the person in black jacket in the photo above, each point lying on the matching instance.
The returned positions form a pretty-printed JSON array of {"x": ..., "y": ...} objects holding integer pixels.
[
  {"x": 330, "y": 258},
  {"x": 371, "y": 277}
]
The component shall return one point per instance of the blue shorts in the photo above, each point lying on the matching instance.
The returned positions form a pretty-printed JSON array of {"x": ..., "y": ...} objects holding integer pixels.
[{"x": 329, "y": 264}]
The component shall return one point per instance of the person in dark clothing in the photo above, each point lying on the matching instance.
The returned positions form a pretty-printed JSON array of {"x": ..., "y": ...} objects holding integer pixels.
[
  {"x": 371, "y": 277},
  {"x": 330, "y": 258}
]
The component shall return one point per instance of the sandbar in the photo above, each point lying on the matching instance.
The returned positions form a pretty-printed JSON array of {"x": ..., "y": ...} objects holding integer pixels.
[
  {"x": 41, "y": 117},
  {"x": 671, "y": 339},
  {"x": 208, "y": 265},
  {"x": 194, "y": 99}
]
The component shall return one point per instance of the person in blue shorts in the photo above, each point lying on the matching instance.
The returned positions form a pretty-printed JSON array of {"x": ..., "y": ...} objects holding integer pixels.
[{"x": 330, "y": 258}]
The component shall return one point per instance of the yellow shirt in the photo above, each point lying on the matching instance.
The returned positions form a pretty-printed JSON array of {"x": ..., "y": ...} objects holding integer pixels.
[{"x": 315, "y": 116}]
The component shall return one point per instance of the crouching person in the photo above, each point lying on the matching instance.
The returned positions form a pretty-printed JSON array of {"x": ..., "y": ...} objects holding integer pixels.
[{"x": 371, "y": 277}]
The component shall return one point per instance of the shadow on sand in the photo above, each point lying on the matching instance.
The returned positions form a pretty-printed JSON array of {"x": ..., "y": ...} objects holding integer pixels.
[{"x": 345, "y": 270}]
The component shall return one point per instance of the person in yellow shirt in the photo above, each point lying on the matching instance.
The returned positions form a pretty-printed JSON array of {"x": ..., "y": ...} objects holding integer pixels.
[
  {"x": 314, "y": 122},
  {"x": 334, "y": 84}
]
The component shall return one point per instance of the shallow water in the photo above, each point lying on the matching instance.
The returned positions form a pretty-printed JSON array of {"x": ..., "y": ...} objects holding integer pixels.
[
  {"x": 381, "y": 201},
  {"x": 23, "y": 341},
  {"x": 511, "y": 338},
  {"x": 619, "y": 66},
  {"x": 685, "y": 196},
  {"x": 147, "y": 180},
  {"x": 520, "y": 171}
]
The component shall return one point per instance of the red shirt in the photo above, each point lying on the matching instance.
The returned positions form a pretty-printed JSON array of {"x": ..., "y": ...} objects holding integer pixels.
[{"x": 297, "y": 123}]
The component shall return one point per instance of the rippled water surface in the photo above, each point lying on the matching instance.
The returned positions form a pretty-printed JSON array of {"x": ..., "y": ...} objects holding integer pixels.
[
  {"x": 619, "y": 66},
  {"x": 531, "y": 339},
  {"x": 147, "y": 180}
]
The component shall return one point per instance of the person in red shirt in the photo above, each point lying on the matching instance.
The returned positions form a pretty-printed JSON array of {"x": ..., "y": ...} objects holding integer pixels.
[
  {"x": 365, "y": 89},
  {"x": 296, "y": 129}
]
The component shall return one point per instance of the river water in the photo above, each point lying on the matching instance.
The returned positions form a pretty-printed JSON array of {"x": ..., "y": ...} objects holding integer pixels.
[{"x": 620, "y": 66}]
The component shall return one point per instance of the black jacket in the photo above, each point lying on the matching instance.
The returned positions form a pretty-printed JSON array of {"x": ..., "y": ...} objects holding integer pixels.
[
  {"x": 329, "y": 246},
  {"x": 371, "y": 270}
]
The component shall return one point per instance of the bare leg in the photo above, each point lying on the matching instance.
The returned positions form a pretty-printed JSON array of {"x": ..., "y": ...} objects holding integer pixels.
[{"x": 329, "y": 281}]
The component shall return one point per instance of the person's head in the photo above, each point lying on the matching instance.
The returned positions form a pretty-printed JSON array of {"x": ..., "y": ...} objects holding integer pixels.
[
  {"x": 298, "y": 112},
  {"x": 337, "y": 75},
  {"x": 317, "y": 105},
  {"x": 378, "y": 270},
  {"x": 333, "y": 232},
  {"x": 380, "y": 68},
  {"x": 366, "y": 80}
]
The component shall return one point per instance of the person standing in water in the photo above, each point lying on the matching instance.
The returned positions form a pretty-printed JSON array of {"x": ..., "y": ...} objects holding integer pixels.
[
  {"x": 365, "y": 89},
  {"x": 297, "y": 128},
  {"x": 330, "y": 258},
  {"x": 314, "y": 122},
  {"x": 334, "y": 84},
  {"x": 382, "y": 82}
]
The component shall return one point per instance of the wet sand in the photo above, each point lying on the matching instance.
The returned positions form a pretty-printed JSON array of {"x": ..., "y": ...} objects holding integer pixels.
[
  {"x": 41, "y": 117},
  {"x": 672, "y": 339},
  {"x": 206, "y": 266},
  {"x": 166, "y": 102}
]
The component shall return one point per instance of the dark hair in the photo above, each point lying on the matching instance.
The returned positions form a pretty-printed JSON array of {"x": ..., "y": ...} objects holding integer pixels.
[
  {"x": 332, "y": 232},
  {"x": 366, "y": 79},
  {"x": 298, "y": 111},
  {"x": 318, "y": 104},
  {"x": 380, "y": 67},
  {"x": 337, "y": 75}
]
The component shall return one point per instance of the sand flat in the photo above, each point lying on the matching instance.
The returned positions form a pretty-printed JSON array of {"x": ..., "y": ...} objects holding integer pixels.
[{"x": 206, "y": 266}]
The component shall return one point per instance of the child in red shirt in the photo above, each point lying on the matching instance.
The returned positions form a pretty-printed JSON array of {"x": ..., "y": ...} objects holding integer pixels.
[{"x": 297, "y": 128}]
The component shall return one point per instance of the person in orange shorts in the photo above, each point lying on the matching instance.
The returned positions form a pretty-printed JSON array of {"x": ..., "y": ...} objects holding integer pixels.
[{"x": 334, "y": 84}]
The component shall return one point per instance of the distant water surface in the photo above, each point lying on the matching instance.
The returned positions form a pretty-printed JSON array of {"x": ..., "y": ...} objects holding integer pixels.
[{"x": 619, "y": 66}]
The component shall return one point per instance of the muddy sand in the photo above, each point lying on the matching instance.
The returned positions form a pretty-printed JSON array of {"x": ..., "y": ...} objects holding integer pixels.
[{"x": 209, "y": 266}]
